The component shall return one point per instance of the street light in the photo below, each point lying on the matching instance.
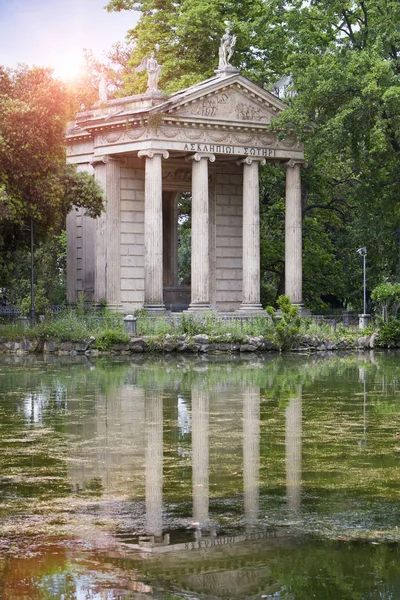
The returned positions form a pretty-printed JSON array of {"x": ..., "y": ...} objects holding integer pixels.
[
  {"x": 397, "y": 234},
  {"x": 32, "y": 279},
  {"x": 364, "y": 318}
]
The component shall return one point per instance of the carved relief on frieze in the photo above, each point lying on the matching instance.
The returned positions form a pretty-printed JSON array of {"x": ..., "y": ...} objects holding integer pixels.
[
  {"x": 111, "y": 137},
  {"x": 193, "y": 134},
  {"x": 267, "y": 140},
  {"x": 178, "y": 175},
  {"x": 290, "y": 142},
  {"x": 169, "y": 132},
  {"x": 134, "y": 133},
  {"x": 244, "y": 138},
  {"x": 217, "y": 136}
]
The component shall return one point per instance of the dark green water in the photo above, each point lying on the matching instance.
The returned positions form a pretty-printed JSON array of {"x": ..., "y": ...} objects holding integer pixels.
[{"x": 200, "y": 478}]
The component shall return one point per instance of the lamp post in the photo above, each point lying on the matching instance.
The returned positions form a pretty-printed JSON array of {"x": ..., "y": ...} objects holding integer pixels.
[
  {"x": 397, "y": 234},
  {"x": 32, "y": 279},
  {"x": 364, "y": 318}
]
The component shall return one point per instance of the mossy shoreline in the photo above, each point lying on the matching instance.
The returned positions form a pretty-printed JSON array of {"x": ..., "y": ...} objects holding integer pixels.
[{"x": 200, "y": 343}]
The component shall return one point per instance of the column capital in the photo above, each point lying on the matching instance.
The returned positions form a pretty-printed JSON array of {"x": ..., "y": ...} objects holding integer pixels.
[
  {"x": 294, "y": 161},
  {"x": 250, "y": 159},
  {"x": 152, "y": 152},
  {"x": 199, "y": 155},
  {"x": 107, "y": 158}
]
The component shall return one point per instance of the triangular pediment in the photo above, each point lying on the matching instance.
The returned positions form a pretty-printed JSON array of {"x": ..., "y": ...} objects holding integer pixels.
[{"x": 234, "y": 99}]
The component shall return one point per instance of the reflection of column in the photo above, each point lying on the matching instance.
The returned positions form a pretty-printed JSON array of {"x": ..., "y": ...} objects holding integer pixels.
[
  {"x": 293, "y": 445},
  {"x": 154, "y": 464},
  {"x": 251, "y": 452},
  {"x": 200, "y": 233},
  {"x": 153, "y": 230},
  {"x": 200, "y": 455},
  {"x": 293, "y": 233},
  {"x": 251, "y": 235}
]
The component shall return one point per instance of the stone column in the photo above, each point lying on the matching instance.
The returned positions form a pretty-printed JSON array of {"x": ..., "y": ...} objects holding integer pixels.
[
  {"x": 108, "y": 233},
  {"x": 154, "y": 463},
  {"x": 200, "y": 299},
  {"x": 293, "y": 233},
  {"x": 293, "y": 444},
  {"x": 251, "y": 453},
  {"x": 251, "y": 235},
  {"x": 200, "y": 456},
  {"x": 153, "y": 230}
]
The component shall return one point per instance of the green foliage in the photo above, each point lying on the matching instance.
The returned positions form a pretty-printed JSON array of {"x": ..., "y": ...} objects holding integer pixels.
[
  {"x": 287, "y": 324},
  {"x": 389, "y": 333},
  {"x": 108, "y": 338},
  {"x": 386, "y": 298}
]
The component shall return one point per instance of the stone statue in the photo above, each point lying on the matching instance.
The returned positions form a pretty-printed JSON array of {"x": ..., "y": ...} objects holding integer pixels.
[
  {"x": 153, "y": 71},
  {"x": 226, "y": 47},
  {"x": 103, "y": 92}
]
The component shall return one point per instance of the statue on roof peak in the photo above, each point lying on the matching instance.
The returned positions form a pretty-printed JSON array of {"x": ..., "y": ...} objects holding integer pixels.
[{"x": 226, "y": 47}]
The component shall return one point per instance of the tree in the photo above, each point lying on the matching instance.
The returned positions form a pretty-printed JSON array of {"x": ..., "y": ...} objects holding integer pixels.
[{"x": 36, "y": 184}]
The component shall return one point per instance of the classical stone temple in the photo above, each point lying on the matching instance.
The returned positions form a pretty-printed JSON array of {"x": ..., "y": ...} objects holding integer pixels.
[{"x": 208, "y": 141}]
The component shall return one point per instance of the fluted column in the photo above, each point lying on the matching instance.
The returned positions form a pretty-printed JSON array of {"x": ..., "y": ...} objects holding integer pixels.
[
  {"x": 293, "y": 233},
  {"x": 200, "y": 455},
  {"x": 293, "y": 444},
  {"x": 251, "y": 235},
  {"x": 154, "y": 463},
  {"x": 153, "y": 230},
  {"x": 200, "y": 298},
  {"x": 108, "y": 233},
  {"x": 251, "y": 452}
]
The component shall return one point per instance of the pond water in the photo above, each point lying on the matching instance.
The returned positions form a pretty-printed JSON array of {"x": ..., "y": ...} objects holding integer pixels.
[{"x": 205, "y": 477}]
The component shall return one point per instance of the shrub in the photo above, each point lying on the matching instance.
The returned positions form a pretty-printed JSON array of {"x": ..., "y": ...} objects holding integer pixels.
[
  {"x": 110, "y": 337},
  {"x": 287, "y": 324},
  {"x": 389, "y": 332}
]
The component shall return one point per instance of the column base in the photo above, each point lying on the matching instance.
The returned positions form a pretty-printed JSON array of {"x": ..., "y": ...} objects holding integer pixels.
[
  {"x": 250, "y": 309},
  {"x": 111, "y": 306},
  {"x": 155, "y": 309},
  {"x": 199, "y": 307}
]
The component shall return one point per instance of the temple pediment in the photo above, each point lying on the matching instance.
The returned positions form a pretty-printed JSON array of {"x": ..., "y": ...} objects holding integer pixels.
[{"x": 233, "y": 99}]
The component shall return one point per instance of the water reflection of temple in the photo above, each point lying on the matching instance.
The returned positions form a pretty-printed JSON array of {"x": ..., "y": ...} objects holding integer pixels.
[{"x": 137, "y": 441}]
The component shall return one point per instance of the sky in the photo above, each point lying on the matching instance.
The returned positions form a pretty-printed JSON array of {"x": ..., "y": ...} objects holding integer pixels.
[{"x": 53, "y": 33}]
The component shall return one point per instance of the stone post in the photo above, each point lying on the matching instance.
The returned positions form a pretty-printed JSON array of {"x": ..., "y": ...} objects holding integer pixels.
[
  {"x": 251, "y": 453},
  {"x": 200, "y": 456},
  {"x": 153, "y": 230},
  {"x": 293, "y": 444},
  {"x": 293, "y": 233},
  {"x": 251, "y": 235},
  {"x": 200, "y": 299},
  {"x": 108, "y": 233},
  {"x": 154, "y": 463}
]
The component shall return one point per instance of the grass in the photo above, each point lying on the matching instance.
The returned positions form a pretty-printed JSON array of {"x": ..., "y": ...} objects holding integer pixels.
[{"x": 286, "y": 330}]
